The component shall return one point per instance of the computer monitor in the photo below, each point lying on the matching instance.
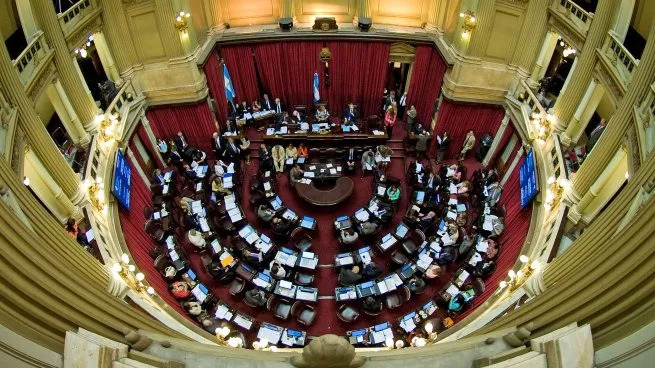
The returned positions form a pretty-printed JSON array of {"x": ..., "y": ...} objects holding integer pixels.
[{"x": 191, "y": 274}]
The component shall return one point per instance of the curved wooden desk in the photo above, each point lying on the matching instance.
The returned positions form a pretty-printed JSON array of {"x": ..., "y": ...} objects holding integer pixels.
[{"x": 342, "y": 189}]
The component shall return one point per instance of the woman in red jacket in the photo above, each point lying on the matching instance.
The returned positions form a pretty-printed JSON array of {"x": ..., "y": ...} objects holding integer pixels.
[{"x": 390, "y": 120}]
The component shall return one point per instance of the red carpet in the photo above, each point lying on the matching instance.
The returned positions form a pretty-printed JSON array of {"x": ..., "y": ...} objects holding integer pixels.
[{"x": 325, "y": 245}]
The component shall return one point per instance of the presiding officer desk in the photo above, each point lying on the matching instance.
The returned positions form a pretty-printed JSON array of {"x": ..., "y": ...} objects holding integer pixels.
[{"x": 316, "y": 140}]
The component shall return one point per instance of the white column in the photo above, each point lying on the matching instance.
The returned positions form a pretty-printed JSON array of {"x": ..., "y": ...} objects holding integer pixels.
[
  {"x": 623, "y": 18},
  {"x": 139, "y": 170},
  {"x": 583, "y": 114},
  {"x": 568, "y": 77},
  {"x": 27, "y": 19},
  {"x": 512, "y": 166},
  {"x": 108, "y": 63},
  {"x": 51, "y": 194},
  {"x": 496, "y": 143},
  {"x": 545, "y": 54},
  {"x": 66, "y": 114},
  {"x": 152, "y": 138}
]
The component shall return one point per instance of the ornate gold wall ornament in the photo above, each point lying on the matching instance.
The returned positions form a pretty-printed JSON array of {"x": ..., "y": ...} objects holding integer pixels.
[
  {"x": 325, "y": 55},
  {"x": 325, "y": 24}
]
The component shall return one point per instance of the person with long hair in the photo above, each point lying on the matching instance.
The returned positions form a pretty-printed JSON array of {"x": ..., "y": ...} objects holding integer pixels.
[{"x": 390, "y": 120}]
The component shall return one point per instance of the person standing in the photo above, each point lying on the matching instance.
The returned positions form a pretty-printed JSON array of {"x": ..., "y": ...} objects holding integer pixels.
[
  {"x": 421, "y": 144},
  {"x": 468, "y": 144},
  {"x": 402, "y": 104},
  {"x": 411, "y": 115},
  {"x": 390, "y": 120},
  {"x": 443, "y": 141}
]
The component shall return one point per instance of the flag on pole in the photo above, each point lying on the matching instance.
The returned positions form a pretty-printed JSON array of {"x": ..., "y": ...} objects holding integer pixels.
[
  {"x": 317, "y": 94},
  {"x": 229, "y": 88}
]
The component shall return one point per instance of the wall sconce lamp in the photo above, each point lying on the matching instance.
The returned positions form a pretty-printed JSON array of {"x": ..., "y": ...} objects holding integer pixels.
[
  {"x": 181, "y": 21},
  {"x": 222, "y": 338},
  {"x": 469, "y": 20},
  {"x": 107, "y": 128},
  {"x": 553, "y": 193},
  {"x": 517, "y": 278},
  {"x": 95, "y": 188},
  {"x": 125, "y": 271}
]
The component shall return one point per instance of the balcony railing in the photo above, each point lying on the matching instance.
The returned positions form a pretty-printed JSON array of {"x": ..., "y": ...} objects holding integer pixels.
[
  {"x": 621, "y": 59},
  {"x": 74, "y": 15},
  {"x": 572, "y": 11},
  {"x": 28, "y": 61}
]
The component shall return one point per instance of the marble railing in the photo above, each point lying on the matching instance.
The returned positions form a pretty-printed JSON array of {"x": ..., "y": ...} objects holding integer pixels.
[
  {"x": 29, "y": 61},
  {"x": 621, "y": 62},
  {"x": 75, "y": 14},
  {"x": 580, "y": 18},
  {"x": 7, "y": 127}
]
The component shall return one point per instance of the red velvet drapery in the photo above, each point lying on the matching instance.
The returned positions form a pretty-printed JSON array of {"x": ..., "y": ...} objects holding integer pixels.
[
  {"x": 358, "y": 72},
  {"x": 139, "y": 243},
  {"x": 517, "y": 223},
  {"x": 143, "y": 136},
  {"x": 270, "y": 66},
  {"x": 214, "y": 74},
  {"x": 195, "y": 121},
  {"x": 426, "y": 80},
  {"x": 458, "y": 119},
  {"x": 242, "y": 71}
]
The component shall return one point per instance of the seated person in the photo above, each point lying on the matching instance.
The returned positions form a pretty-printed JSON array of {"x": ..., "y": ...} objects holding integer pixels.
[
  {"x": 279, "y": 107},
  {"x": 189, "y": 173},
  {"x": 266, "y": 103},
  {"x": 196, "y": 238},
  {"x": 428, "y": 222},
  {"x": 265, "y": 158},
  {"x": 291, "y": 152},
  {"x": 322, "y": 115},
  {"x": 279, "y": 155},
  {"x": 244, "y": 109},
  {"x": 244, "y": 146},
  {"x": 416, "y": 285},
  {"x": 277, "y": 271},
  {"x": 350, "y": 115},
  {"x": 283, "y": 120},
  {"x": 463, "y": 187},
  {"x": 457, "y": 303},
  {"x": 455, "y": 173},
  {"x": 303, "y": 151},
  {"x": 484, "y": 268},
  {"x": 199, "y": 158},
  {"x": 180, "y": 289},
  {"x": 174, "y": 157},
  {"x": 256, "y": 297},
  {"x": 494, "y": 191},
  {"x": 230, "y": 127},
  {"x": 453, "y": 234},
  {"x": 434, "y": 271},
  {"x": 265, "y": 213},
  {"x": 350, "y": 158},
  {"x": 193, "y": 308},
  {"x": 217, "y": 186},
  {"x": 280, "y": 226},
  {"x": 297, "y": 117},
  {"x": 162, "y": 147},
  {"x": 368, "y": 161},
  {"x": 348, "y": 236},
  {"x": 349, "y": 276},
  {"x": 296, "y": 174},
  {"x": 368, "y": 227},
  {"x": 468, "y": 241},
  {"x": 256, "y": 106},
  {"x": 432, "y": 182},
  {"x": 393, "y": 193},
  {"x": 371, "y": 271},
  {"x": 216, "y": 269},
  {"x": 158, "y": 177},
  {"x": 372, "y": 305}
]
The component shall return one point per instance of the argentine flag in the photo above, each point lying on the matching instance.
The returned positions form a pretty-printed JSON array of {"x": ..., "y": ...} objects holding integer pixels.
[
  {"x": 317, "y": 94},
  {"x": 229, "y": 88}
]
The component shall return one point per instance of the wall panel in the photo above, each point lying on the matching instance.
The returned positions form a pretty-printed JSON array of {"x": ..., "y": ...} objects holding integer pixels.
[
  {"x": 143, "y": 27},
  {"x": 504, "y": 35},
  {"x": 341, "y": 10},
  {"x": 250, "y": 12},
  {"x": 405, "y": 13}
]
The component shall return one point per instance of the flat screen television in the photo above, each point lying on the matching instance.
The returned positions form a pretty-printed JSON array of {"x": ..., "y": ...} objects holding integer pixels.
[
  {"x": 120, "y": 188},
  {"x": 528, "y": 179}
]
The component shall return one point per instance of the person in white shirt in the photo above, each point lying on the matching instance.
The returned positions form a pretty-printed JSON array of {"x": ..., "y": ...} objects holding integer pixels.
[
  {"x": 196, "y": 238},
  {"x": 277, "y": 271},
  {"x": 402, "y": 104}
]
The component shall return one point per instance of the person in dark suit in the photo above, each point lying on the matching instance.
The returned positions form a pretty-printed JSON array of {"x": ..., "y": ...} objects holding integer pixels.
[
  {"x": 391, "y": 100},
  {"x": 158, "y": 177},
  {"x": 181, "y": 142},
  {"x": 349, "y": 276},
  {"x": 218, "y": 145},
  {"x": 174, "y": 157},
  {"x": 297, "y": 117},
  {"x": 443, "y": 141},
  {"x": 256, "y": 297},
  {"x": 189, "y": 172},
  {"x": 350, "y": 158},
  {"x": 372, "y": 305},
  {"x": 279, "y": 107},
  {"x": 265, "y": 158},
  {"x": 232, "y": 150},
  {"x": 371, "y": 271},
  {"x": 282, "y": 121},
  {"x": 231, "y": 108},
  {"x": 244, "y": 109},
  {"x": 417, "y": 285},
  {"x": 402, "y": 104},
  {"x": 266, "y": 103},
  {"x": 350, "y": 114},
  {"x": 421, "y": 146}
]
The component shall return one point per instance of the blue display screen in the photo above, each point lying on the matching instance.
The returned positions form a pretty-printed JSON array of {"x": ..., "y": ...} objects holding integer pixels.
[
  {"x": 122, "y": 181},
  {"x": 528, "y": 179}
]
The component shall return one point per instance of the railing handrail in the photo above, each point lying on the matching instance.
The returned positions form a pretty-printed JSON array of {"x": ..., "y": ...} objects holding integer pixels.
[
  {"x": 577, "y": 7},
  {"x": 37, "y": 38},
  {"x": 70, "y": 10},
  {"x": 127, "y": 87},
  {"x": 532, "y": 96},
  {"x": 617, "y": 41}
]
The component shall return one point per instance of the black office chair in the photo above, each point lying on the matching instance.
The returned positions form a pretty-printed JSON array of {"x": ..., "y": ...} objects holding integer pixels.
[
  {"x": 347, "y": 313},
  {"x": 303, "y": 279},
  {"x": 303, "y": 313},
  {"x": 398, "y": 298},
  {"x": 280, "y": 307},
  {"x": 398, "y": 258},
  {"x": 237, "y": 286},
  {"x": 300, "y": 239}
]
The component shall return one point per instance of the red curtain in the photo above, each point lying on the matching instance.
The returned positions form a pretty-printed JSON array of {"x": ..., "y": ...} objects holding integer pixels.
[
  {"x": 195, "y": 121},
  {"x": 139, "y": 243},
  {"x": 358, "y": 72},
  {"x": 143, "y": 136},
  {"x": 426, "y": 80},
  {"x": 214, "y": 74},
  {"x": 458, "y": 119},
  {"x": 509, "y": 131},
  {"x": 270, "y": 66},
  {"x": 242, "y": 71},
  {"x": 517, "y": 223}
]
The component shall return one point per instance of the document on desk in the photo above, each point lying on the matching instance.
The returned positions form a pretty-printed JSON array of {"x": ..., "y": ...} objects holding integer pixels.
[
  {"x": 462, "y": 277},
  {"x": 227, "y": 182},
  {"x": 333, "y": 171},
  {"x": 198, "y": 187},
  {"x": 346, "y": 260},
  {"x": 452, "y": 188},
  {"x": 377, "y": 337},
  {"x": 290, "y": 161},
  {"x": 381, "y": 190},
  {"x": 382, "y": 287},
  {"x": 361, "y": 215},
  {"x": 368, "y": 166},
  {"x": 223, "y": 312},
  {"x": 482, "y": 246},
  {"x": 408, "y": 325},
  {"x": 252, "y": 238},
  {"x": 488, "y": 224},
  {"x": 452, "y": 290},
  {"x": 309, "y": 174},
  {"x": 204, "y": 226},
  {"x": 247, "y": 116},
  {"x": 396, "y": 279},
  {"x": 390, "y": 284},
  {"x": 267, "y": 185},
  {"x": 261, "y": 283},
  {"x": 354, "y": 128},
  {"x": 365, "y": 257},
  {"x": 475, "y": 258},
  {"x": 165, "y": 190},
  {"x": 243, "y": 321}
]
